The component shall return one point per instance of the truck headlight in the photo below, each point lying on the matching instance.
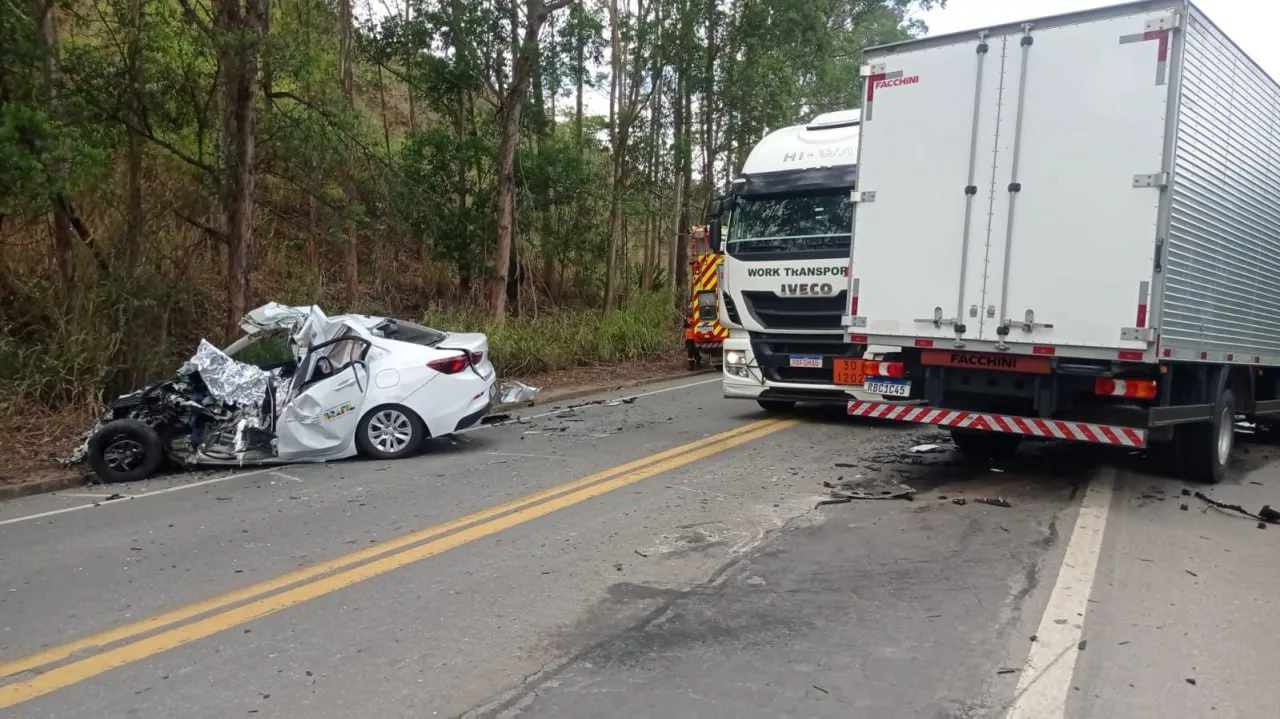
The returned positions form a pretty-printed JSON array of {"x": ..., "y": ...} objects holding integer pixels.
[{"x": 734, "y": 357}]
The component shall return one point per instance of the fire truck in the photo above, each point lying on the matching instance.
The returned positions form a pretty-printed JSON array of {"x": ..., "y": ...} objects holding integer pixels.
[{"x": 702, "y": 330}]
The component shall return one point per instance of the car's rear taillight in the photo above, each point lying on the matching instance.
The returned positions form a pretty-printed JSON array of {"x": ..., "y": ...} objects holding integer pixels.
[
  {"x": 450, "y": 365},
  {"x": 477, "y": 357}
]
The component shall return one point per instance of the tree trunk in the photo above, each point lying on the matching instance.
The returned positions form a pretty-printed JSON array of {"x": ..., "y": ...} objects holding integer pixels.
[
  {"x": 63, "y": 247},
  {"x": 240, "y": 24},
  {"x": 510, "y": 108},
  {"x": 351, "y": 249}
]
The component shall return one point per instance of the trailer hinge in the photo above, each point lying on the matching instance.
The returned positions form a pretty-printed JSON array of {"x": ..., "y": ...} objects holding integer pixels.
[
  {"x": 874, "y": 68},
  {"x": 857, "y": 321},
  {"x": 868, "y": 196},
  {"x": 1168, "y": 22},
  {"x": 1138, "y": 334},
  {"x": 1154, "y": 179}
]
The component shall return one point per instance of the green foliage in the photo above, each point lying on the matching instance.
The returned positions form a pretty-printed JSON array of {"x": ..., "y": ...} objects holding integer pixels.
[
  {"x": 641, "y": 327},
  {"x": 130, "y": 91}
]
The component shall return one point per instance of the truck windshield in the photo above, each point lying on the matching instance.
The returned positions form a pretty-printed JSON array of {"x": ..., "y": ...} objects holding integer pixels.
[{"x": 814, "y": 225}]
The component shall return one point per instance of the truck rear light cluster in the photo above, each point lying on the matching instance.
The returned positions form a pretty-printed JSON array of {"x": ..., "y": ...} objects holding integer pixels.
[
  {"x": 1131, "y": 388},
  {"x": 895, "y": 370}
]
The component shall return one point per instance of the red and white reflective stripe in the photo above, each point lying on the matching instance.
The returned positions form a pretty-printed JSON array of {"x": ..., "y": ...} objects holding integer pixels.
[{"x": 1030, "y": 426}]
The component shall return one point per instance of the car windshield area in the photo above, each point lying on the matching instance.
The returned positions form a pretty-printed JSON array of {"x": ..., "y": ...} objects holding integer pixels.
[
  {"x": 817, "y": 225},
  {"x": 269, "y": 351}
]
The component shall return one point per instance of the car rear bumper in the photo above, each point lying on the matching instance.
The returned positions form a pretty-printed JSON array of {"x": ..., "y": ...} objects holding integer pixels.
[{"x": 474, "y": 418}]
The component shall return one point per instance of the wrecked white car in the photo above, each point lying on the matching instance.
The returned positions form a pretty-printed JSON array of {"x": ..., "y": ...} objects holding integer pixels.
[{"x": 299, "y": 387}]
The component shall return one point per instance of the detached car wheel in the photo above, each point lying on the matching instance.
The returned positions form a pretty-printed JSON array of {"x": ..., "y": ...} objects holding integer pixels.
[
  {"x": 125, "y": 450},
  {"x": 390, "y": 432}
]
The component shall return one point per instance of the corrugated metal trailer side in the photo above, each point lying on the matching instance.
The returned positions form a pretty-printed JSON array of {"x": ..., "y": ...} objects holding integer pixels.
[
  {"x": 1218, "y": 282},
  {"x": 1195, "y": 238}
]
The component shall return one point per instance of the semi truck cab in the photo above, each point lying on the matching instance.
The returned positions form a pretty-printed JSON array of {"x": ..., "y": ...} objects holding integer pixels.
[{"x": 785, "y": 228}]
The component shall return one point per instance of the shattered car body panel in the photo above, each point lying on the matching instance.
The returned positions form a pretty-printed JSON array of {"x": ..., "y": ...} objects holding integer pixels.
[{"x": 300, "y": 385}]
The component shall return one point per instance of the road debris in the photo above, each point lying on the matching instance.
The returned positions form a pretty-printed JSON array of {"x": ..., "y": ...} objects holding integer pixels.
[
  {"x": 960, "y": 501},
  {"x": 496, "y": 419},
  {"x": 1265, "y": 516},
  {"x": 994, "y": 501},
  {"x": 843, "y": 491},
  {"x": 1191, "y": 681},
  {"x": 1005, "y": 670},
  {"x": 1188, "y": 571},
  {"x": 511, "y": 392},
  {"x": 922, "y": 448}
]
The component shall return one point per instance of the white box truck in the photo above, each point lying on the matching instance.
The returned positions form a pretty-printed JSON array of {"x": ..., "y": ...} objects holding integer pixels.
[
  {"x": 786, "y": 256},
  {"x": 1092, "y": 254}
]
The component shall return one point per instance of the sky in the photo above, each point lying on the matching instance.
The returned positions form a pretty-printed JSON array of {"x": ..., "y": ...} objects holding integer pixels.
[{"x": 1251, "y": 23}]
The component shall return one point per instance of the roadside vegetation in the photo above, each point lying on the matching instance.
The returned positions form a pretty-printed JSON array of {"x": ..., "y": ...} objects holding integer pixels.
[{"x": 528, "y": 168}]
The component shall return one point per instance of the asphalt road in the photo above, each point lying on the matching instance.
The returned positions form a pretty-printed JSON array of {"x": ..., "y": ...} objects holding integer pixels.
[{"x": 661, "y": 557}]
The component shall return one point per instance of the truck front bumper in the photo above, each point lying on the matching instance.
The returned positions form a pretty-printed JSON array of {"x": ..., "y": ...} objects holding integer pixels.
[{"x": 742, "y": 379}]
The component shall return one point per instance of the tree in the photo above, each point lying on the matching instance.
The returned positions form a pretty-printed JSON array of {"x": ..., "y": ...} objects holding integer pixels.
[{"x": 509, "y": 110}]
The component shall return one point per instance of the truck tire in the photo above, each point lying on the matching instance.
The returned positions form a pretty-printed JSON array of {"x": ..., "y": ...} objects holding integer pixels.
[
  {"x": 125, "y": 450},
  {"x": 1208, "y": 445},
  {"x": 979, "y": 445},
  {"x": 776, "y": 405}
]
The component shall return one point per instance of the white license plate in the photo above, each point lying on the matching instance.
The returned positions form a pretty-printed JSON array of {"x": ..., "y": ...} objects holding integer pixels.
[
  {"x": 806, "y": 361},
  {"x": 887, "y": 388}
]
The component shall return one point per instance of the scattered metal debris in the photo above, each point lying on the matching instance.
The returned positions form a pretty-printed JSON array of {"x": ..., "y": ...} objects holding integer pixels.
[
  {"x": 994, "y": 501},
  {"x": 1005, "y": 670},
  {"x": 1191, "y": 681},
  {"x": 511, "y": 392},
  {"x": 960, "y": 501},
  {"x": 922, "y": 448},
  {"x": 843, "y": 491},
  {"x": 496, "y": 419}
]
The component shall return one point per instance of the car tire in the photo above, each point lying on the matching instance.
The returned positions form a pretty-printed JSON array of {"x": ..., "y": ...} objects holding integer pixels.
[
  {"x": 1208, "y": 445},
  {"x": 980, "y": 445},
  {"x": 390, "y": 431},
  {"x": 125, "y": 450},
  {"x": 776, "y": 405}
]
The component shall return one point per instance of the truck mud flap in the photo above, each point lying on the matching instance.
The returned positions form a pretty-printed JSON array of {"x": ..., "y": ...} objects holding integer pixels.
[{"x": 1030, "y": 426}]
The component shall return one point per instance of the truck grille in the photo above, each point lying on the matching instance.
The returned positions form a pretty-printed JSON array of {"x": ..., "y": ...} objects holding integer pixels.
[
  {"x": 773, "y": 354},
  {"x": 795, "y": 313}
]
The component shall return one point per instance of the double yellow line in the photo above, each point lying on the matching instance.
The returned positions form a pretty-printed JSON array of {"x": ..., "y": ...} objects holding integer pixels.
[{"x": 157, "y": 634}]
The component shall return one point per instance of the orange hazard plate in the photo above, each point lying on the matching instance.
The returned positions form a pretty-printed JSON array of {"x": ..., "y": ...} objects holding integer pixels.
[
  {"x": 978, "y": 360},
  {"x": 849, "y": 371}
]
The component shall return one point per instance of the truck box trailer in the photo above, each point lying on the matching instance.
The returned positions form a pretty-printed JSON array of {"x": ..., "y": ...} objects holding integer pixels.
[{"x": 1092, "y": 254}]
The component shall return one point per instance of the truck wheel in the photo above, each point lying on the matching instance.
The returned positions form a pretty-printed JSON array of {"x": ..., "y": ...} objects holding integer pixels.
[
  {"x": 1208, "y": 445},
  {"x": 776, "y": 405},
  {"x": 125, "y": 450},
  {"x": 979, "y": 445}
]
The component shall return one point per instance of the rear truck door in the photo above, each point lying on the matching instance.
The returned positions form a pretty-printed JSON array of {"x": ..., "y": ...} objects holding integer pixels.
[
  {"x": 328, "y": 391},
  {"x": 1030, "y": 173}
]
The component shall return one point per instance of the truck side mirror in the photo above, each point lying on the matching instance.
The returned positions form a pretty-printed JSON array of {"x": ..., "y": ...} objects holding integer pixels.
[
  {"x": 717, "y": 207},
  {"x": 714, "y": 239}
]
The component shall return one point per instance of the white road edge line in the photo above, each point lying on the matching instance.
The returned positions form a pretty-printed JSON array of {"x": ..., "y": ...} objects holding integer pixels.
[
  {"x": 1045, "y": 682},
  {"x": 215, "y": 480},
  {"x": 166, "y": 490}
]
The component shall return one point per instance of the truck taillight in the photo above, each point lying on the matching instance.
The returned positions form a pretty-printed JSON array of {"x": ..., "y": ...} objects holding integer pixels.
[
  {"x": 894, "y": 370},
  {"x": 1131, "y": 388}
]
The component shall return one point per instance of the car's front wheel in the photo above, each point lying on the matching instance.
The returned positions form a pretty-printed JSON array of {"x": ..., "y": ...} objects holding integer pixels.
[
  {"x": 390, "y": 432},
  {"x": 125, "y": 450}
]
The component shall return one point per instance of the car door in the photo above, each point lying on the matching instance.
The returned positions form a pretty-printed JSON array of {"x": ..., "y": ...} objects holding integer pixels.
[{"x": 326, "y": 398}]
